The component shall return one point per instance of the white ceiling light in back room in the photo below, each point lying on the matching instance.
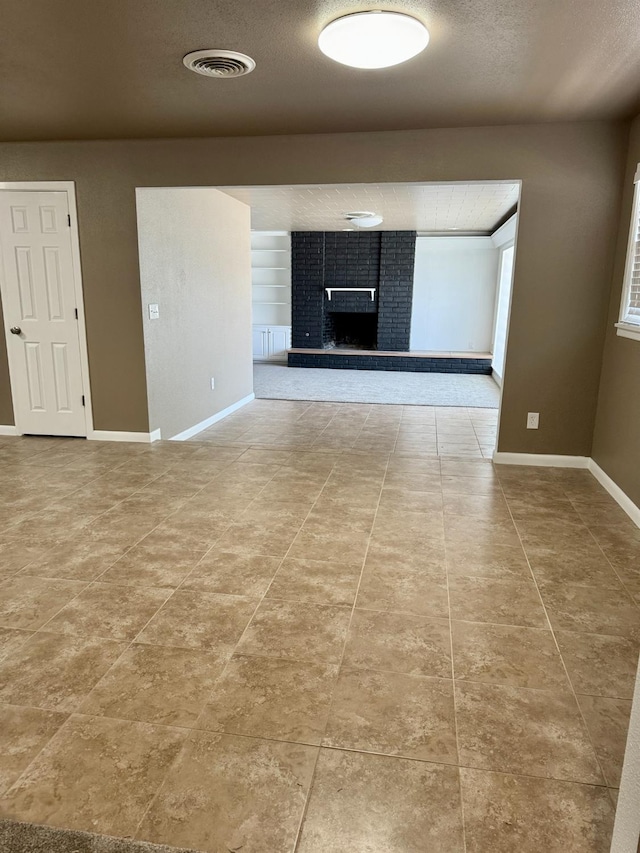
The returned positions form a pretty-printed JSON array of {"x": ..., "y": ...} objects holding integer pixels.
[
  {"x": 364, "y": 218},
  {"x": 373, "y": 39}
]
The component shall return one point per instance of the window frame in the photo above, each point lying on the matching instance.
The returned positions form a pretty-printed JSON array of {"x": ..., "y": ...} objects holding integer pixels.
[{"x": 629, "y": 328}]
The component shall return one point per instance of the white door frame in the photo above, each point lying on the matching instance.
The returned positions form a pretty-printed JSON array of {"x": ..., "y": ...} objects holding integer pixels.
[{"x": 69, "y": 188}]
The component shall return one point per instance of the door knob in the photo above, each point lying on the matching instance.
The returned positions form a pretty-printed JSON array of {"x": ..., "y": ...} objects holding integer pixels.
[{"x": 15, "y": 330}]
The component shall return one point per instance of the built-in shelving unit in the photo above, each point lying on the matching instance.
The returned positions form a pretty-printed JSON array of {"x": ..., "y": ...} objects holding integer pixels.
[{"x": 271, "y": 294}]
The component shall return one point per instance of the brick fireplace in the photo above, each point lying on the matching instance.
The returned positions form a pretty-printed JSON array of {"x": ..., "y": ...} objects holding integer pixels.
[
  {"x": 351, "y": 300},
  {"x": 377, "y": 267}
]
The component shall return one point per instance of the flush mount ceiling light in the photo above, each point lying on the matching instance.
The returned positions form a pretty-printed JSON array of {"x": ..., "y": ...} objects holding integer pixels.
[
  {"x": 219, "y": 63},
  {"x": 364, "y": 218},
  {"x": 373, "y": 39}
]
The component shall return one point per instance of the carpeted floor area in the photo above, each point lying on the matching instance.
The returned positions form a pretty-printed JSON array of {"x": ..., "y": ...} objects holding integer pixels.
[{"x": 279, "y": 382}]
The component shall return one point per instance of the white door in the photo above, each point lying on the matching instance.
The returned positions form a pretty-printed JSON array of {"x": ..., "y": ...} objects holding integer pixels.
[
  {"x": 39, "y": 304},
  {"x": 278, "y": 342},
  {"x": 260, "y": 343}
]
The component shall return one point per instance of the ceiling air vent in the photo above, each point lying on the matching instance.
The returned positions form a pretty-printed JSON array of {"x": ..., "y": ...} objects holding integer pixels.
[{"x": 219, "y": 63}]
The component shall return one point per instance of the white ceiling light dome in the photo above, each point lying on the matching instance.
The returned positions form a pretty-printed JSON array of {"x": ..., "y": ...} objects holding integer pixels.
[
  {"x": 373, "y": 39},
  {"x": 364, "y": 218}
]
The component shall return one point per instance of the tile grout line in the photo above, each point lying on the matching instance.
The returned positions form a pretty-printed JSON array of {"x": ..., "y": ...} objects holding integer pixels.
[
  {"x": 224, "y": 669},
  {"x": 130, "y": 643},
  {"x": 555, "y": 640},
  {"x": 453, "y": 678},
  {"x": 303, "y": 813}
]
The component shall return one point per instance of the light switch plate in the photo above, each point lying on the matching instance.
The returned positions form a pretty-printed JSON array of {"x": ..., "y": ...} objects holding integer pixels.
[{"x": 154, "y": 311}]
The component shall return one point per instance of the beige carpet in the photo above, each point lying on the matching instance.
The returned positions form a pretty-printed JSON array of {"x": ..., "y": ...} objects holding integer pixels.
[{"x": 279, "y": 382}]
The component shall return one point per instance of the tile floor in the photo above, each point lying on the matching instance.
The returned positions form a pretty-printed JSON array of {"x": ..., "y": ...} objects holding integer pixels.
[
  {"x": 246, "y": 643},
  {"x": 296, "y": 425}
]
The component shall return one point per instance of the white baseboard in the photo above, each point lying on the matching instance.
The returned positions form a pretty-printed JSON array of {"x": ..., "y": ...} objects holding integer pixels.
[
  {"x": 194, "y": 430},
  {"x": 8, "y": 430},
  {"x": 632, "y": 510},
  {"x": 542, "y": 460},
  {"x": 112, "y": 435}
]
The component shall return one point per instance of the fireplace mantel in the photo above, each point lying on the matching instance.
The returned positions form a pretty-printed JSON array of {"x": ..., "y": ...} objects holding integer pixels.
[{"x": 370, "y": 290}]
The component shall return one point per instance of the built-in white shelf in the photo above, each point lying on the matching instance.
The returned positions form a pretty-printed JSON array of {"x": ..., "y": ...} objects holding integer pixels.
[{"x": 271, "y": 278}]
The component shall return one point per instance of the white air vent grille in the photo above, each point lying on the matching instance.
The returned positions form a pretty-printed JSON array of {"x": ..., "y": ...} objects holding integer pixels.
[{"x": 219, "y": 63}]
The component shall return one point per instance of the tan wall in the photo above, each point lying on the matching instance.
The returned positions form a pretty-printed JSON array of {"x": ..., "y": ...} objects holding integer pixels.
[
  {"x": 195, "y": 263},
  {"x": 616, "y": 442},
  {"x": 571, "y": 177}
]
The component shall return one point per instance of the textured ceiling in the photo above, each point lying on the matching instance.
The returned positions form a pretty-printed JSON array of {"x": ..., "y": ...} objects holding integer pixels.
[
  {"x": 89, "y": 69},
  {"x": 413, "y": 207}
]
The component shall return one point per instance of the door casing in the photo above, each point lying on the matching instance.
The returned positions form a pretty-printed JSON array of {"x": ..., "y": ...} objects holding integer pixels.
[{"x": 70, "y": 189}]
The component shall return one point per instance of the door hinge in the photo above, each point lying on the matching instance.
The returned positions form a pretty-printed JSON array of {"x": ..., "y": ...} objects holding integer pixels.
[
  {"x": 69, "y": 220},
  {"x": 83, "y": 399},
  {"x": 76, "y": 310}
]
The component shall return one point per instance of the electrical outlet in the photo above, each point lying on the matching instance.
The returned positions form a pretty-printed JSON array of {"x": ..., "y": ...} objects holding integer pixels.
[
  {"x": 213, "y": 383},
  {"x": 154, "y": 311},
  {"x": 533, "y": 420}
]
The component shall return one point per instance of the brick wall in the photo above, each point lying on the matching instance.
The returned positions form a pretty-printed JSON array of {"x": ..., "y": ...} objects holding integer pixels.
[
  {"x": 380, "y": 259},
  {"x": 397, "y": 260}
]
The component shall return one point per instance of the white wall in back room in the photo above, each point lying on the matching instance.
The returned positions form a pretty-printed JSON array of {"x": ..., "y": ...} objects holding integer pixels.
[{"x": 454, "y": 293}]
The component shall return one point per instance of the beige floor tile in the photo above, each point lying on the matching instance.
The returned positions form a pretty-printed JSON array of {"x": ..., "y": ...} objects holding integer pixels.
[
  {"x": 599, "y": 664},
  {"x": 231, "y": 793},
  {"x": 586, "y": 565},
  {"x": 399, "y": 590},
  {"x": 315, "y": 581},
  {"x": 413, "y": 481},
  {"x": 394, "y": 714},
  {"x": 28, "y": 602},
  {"x": 265, "y": 457},
  {"x": 607, "y": 721},
  {"x": 95, "y": 774},
  {"x": 404, "y": 500},
  {"x": 80, "y": 558},
  {"x": 23, "y": 733},
  {"x": 507, "y": 562},
  {"x": 256, "y": 536},
  {"x": 200, "y": 620},
  {"x": 460, "y": 531},
  {"x": 497, "y": 601},
  {"x": 594, "y": 610},
  {"x": 55, "y": 671},
  {"x": 350, "y": 548},
  {"x": 493, "y": 507},
  {"x": 233, "y": 572},
  {"x": 365, "y": 803},
  {"x": 271, "y": 698},
  {"x": 399, "y": 642},
  {"x": 153, "y": 565},
  {"x": 107, "y": 610},
  {"x": 537, "y": 732},
  {"x": 154, "y": 684},
  {"x": 296, "y": 631},
  {"x": 501, "y": 654},
  {"x": 10, "y": 639},
  {"x": 425, "y": 556},
  {"x": 505, "y": 813}
]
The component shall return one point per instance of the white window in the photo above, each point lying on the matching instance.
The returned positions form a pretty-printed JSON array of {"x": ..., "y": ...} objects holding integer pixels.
[{"x": 629, "y": 325}]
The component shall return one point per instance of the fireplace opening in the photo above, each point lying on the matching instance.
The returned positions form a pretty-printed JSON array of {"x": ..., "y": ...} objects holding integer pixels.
[{"x": 355, "y": 331}]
